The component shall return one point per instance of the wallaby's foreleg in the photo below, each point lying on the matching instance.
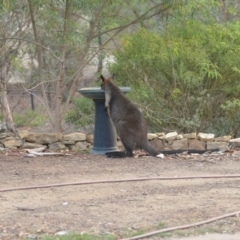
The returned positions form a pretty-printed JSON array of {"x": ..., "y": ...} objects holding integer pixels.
[
  {"x": 106, "y": 110},
  {"x": 107, "y": 101}
]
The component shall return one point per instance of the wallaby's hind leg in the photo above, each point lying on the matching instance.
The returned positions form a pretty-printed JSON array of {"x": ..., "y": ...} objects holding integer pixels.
[
  {"x": 128, "y": 150},
  {"x": 117, "y": 154}
]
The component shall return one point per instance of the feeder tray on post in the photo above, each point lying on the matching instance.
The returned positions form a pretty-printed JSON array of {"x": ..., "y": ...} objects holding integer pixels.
[{"x": 105, "y": 137}]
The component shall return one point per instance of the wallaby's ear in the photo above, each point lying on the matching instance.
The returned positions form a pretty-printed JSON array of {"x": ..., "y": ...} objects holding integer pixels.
[
  {"x": 113, "y": 76},
  {"x": 102, "y": 78}
]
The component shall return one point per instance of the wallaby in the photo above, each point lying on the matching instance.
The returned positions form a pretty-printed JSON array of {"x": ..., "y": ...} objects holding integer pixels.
[{"x": 130, "y": 124}]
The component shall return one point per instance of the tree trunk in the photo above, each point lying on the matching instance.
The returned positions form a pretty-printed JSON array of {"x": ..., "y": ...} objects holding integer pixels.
[
  {"x": 40, "y": 61},
  {"x": 7, "y": 114},
  {"x": 59, "y": 88},
  {"x": 224, "y": 10},
  {"x": 101, "y": 54}
]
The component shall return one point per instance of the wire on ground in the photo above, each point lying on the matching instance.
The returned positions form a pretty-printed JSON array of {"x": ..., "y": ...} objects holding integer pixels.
[
  {"x": 116, "y": 181},
  {"x": 183, "y": 226}
]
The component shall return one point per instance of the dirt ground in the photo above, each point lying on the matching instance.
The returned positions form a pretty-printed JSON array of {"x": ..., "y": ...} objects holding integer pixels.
[{"x": 119, "y": 208}]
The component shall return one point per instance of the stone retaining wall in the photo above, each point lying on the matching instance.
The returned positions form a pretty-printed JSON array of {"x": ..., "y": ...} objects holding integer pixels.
[{"x": 82, "y": 142}]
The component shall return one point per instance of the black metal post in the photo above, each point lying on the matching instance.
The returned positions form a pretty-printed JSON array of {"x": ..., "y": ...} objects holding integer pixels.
[{"x": 32, "y": 101}]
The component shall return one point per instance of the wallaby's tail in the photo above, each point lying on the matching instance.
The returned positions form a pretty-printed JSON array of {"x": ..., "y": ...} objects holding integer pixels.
[
  {"x": 189, "y": 151},
  {"x": 150, "y": 149},
  {"x": 154, "y": 152}
]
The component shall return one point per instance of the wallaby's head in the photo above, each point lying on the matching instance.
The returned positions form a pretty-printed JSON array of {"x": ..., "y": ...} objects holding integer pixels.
[{"x": 105, "y": 81}]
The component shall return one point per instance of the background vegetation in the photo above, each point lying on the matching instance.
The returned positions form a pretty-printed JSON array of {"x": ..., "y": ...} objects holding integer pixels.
[
  {"x": 82, "y": 113},
  {"x": 187, "y": 77},
  {"x": 180, "y": 57}
]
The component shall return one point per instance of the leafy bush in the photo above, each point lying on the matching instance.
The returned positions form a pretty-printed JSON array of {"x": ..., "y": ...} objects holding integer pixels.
[
  {"x": 28, "y": 118},
  {"x": 182, "y": 78},
  {"x": 82, "y": 113}
]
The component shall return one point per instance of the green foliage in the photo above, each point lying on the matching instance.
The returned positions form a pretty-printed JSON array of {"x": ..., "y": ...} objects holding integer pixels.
[
  {"x": 184, "y": 55},
  {"x": 28, "y": 118},
  {"x": 232, "y": 114},
  {"x": 82, "y": 113},
  {"x": 186, "y": 77},
  {"x": 74, "y": 236}
]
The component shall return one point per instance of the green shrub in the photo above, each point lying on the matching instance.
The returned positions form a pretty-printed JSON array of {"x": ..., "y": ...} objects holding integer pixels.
[
  {"x": 181, "y": 78},
  {"x": 85, "y": 236},
  {"x": 82, "y": 113},
  {"x": 28, "y": 118}
]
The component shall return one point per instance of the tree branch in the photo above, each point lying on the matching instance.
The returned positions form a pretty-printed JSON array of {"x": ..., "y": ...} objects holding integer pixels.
[
  {"x": 30, "y": 41},
  {"x": 135, "y": 20},
  {"x": 59, "y": 87}
]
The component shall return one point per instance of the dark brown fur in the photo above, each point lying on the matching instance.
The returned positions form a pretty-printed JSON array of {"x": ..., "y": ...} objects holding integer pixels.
[{"x": 129, "y": 122}]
